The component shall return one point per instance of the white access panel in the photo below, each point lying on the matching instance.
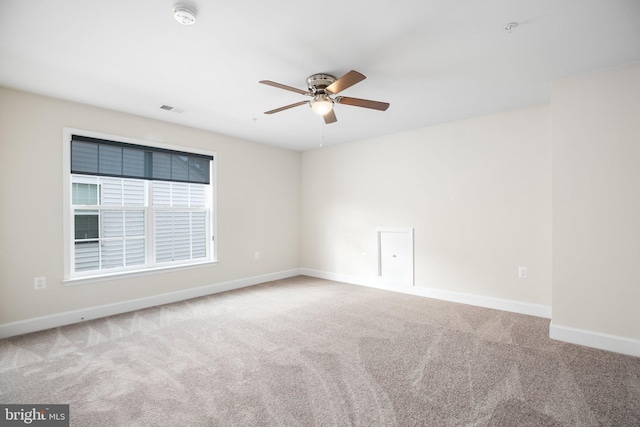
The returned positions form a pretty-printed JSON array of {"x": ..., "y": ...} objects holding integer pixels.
[{"x": 395, "y": 255}]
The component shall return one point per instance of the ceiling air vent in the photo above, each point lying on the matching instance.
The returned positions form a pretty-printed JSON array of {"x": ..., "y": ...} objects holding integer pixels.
[{"x": 172, "y": 109}]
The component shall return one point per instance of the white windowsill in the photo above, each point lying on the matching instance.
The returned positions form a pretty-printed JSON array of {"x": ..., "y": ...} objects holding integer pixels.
[{"x": 128, "y": 274}]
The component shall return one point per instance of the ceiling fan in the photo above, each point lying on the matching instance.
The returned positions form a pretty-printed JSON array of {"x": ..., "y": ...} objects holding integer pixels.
[{"x": 322, "y": 89}]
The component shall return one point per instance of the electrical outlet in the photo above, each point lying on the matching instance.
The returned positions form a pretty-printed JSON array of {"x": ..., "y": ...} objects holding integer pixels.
[
  {"x": 257, "y": 255},
  {"x": 39, "y": 283},
  {"x": 522, "y": 272}
]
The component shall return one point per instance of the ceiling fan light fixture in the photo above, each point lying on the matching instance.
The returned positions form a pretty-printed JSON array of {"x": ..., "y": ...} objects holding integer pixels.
[
  {"x": 184, "y": 14},
  {"x": 321, "y": 104}
]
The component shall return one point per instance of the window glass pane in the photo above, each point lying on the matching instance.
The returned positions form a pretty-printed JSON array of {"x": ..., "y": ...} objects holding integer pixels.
[
  {"x": 112, "y": 254},
  {"x": 198, "y": 170},
  {"x": 110, "y": 160},
  {"x": 161, "y": 193},
  {"x": 135, "y": 251},
  {"x": 86, "y": 225},
  {"x": 133, "y": 163},
  {"x": 84, "y": 194},
  {"x": 173, "y": 236},
  {"x": 181, "y": 236},
  {"x": 161, "y": 166},
  {"x": 87, "y": 256},
  {"x": 112, "y": 224},
  {"x": 112, "y": 191},
  {"x": 179, "y": 194},
  {"x": 198, "y": 235},
  {"x": 179, "y": 168},
  {"x": 84, "y": 157},
  {"x": 164, "y": 236},
  {"x": 134, "y": 223},
  {"x": 133, "y": 192},
  {"x": 197, "y": 195}
]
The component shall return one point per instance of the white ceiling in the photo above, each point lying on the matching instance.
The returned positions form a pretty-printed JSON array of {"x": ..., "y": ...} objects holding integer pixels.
[{"x": 432, "y": 60}]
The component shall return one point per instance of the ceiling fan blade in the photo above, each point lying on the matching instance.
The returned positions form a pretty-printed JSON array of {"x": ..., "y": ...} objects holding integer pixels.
[
  {"x": 348, "y": 80},
  {"x": 330, "y": 117},
  {"x": 285, "y": 87},
  {"x": 286, "y": 107},
  {"x": 357, "y": 102}
]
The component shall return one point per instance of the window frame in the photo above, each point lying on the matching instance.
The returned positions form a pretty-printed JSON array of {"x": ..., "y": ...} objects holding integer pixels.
[{"x": 73, "y": 278}]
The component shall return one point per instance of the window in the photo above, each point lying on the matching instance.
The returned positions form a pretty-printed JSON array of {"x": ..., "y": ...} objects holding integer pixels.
[{"x": 135, "y": 207}]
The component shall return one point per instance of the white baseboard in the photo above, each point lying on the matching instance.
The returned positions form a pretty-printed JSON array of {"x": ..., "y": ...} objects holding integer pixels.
[
  {"x": 583, "y": 337},
  {"x": 477, "y": 300},
  {"x": 597, "y": 340},
  {"x": 562, "y": 333},
  {"x": 69, "y": 317}
]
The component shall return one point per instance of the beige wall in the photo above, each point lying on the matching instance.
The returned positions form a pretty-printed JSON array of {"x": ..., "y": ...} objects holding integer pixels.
[
  {"x": 258, "y": 206},
  {"x": 596, "y": 202},
  {"x": 476, "y": 192},
  {"x": 480, "y": 194}
]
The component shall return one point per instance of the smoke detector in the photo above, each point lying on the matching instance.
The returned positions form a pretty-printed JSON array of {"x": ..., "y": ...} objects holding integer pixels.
[
  {"x": 510, "y": 27},
  {"x": 184, "y": 14}
]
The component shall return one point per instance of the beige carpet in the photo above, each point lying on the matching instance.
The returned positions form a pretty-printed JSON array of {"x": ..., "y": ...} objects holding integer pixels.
[{"x": 310, "y": 352}]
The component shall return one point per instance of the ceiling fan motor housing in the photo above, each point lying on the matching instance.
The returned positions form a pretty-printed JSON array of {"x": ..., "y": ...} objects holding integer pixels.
[{"x": 317, "y": 83}]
